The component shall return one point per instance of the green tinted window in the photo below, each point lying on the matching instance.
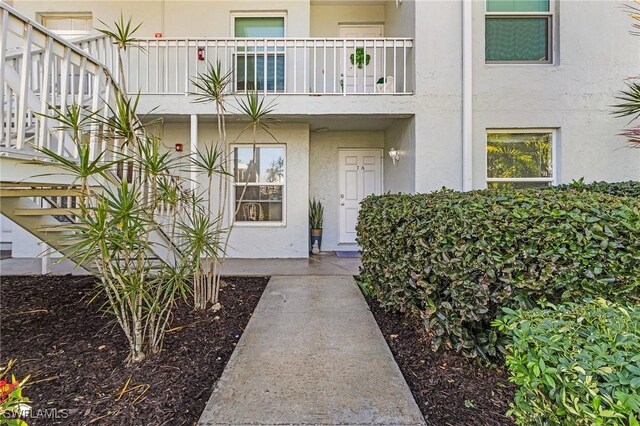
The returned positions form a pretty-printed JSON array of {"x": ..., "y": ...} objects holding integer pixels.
[
  {"x": 517, "y": 39},
  {"x": 519, "y": 155},
  {"x": 517, "y": 5},
  {"x": 259, "y": 27}
]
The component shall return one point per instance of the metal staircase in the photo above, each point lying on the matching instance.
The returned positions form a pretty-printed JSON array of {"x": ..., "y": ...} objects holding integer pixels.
[{"x": 38, "y": 69}]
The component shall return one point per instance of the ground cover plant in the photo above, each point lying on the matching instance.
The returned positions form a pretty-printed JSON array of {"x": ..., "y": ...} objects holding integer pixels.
[
  {"x": 622, "y": 189},
  {"x": 575, "y": 364}
]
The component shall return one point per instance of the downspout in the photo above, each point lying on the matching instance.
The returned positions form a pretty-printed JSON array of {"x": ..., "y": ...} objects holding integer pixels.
[{"x": 467, "y": 95}]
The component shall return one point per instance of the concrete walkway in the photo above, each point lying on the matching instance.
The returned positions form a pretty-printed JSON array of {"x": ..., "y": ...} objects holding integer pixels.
[
  {"x": 323, "y": 264},
  {"x": 312, "y": 353}
]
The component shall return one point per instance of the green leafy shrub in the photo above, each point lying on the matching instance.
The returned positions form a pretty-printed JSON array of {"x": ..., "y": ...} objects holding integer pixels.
[
  {"x": 574, "y": 364},
  {"x": 458, "y": 258},
  {"x": 623, "y": 189}
]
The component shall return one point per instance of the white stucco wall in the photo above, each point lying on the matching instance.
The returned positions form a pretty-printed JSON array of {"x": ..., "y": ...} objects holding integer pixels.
[
  {"x": 574, "y": 94},
  {"x": 259, "y": 241},
  {"x": 326, "y": 18},
  {"x": 323, "y": 175},
  {"x": 399, "y": 177},
  {"x": 19, "y": 241},
  {"x": 6, "y": 233},
  {"x": 176, "y": 18},
  {"x": 594, "y": 55}
]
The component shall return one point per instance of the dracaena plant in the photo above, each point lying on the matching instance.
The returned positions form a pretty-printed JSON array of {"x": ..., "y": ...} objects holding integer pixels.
[
  {"x": 140, "y": 232},
  {"x": 212, "y": 86}
]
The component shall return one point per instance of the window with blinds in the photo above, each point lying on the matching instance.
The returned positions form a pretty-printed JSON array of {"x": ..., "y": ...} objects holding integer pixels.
[
  {"x": 518, "y": 31},
  {"x": 259, "y": 65}
]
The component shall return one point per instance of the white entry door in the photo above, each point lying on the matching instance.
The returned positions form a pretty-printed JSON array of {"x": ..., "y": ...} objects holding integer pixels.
[
  {"x": 360, "y": 175},
  {"x": 362, "y": 80}
]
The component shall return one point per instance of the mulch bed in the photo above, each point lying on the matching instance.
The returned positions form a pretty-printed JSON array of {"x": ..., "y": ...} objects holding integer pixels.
[
  {"x": 449, "y": 389},
  {"x": 75, "y": 355}
]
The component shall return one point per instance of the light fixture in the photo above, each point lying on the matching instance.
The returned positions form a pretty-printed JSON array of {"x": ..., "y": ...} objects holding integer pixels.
[{"x": 395, "y": 155}]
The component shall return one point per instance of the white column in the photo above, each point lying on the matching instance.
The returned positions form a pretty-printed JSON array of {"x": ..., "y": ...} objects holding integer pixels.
[
  {"x": 193, "y": 147},
  {"x": 467, "y": 95},
  {"x": 45, "y": 259}
]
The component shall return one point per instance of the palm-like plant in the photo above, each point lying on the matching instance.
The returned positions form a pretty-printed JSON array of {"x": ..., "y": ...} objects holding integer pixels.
[
  {"x": 530, "y": 158},
  {"x": 629, "y": 98},
  {"x": 212, "y": 87},
  {"x": 132, "y": 229},
  {"x": 122, "y": 35}
]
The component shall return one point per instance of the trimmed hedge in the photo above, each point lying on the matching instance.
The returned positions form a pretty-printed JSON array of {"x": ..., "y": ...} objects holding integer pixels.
[
  {"x": 623, "y": 189},
  {"x": 458, "y": 258},
  {"x": 574, "y": 364}
]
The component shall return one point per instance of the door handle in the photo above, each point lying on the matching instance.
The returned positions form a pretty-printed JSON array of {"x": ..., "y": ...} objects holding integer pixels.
[{"x": 342, "y": 204}]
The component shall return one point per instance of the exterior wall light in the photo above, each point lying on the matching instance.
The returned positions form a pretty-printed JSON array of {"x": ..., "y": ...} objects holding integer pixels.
[{"x": 395, "y": 155}]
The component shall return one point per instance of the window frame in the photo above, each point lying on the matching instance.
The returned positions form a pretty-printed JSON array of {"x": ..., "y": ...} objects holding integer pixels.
[
  {"x": 43, "y": 16},
  {"x": 236, "y": 53},
  {"x": 550, "y": 15},
  {"x": 234, "y": 185},
  {"x": 552, "y": 181}
]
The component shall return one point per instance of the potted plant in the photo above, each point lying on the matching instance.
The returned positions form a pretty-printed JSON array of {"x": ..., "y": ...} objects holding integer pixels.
[{"x": 316, "y": 213}]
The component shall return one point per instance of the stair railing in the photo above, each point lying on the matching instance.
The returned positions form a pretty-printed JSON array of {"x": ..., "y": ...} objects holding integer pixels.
[{"x": 39, "y": 69}]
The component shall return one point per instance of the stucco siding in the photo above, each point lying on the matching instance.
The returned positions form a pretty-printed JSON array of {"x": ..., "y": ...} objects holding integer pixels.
[
  {"x": 400, "y": 177},
  {"x": 323, "y": 175},
  {"x": 260, "y": 241}
]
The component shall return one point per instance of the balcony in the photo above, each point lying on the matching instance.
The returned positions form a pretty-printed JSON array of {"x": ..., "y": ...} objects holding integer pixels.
[{"x": 290, "y": 66}]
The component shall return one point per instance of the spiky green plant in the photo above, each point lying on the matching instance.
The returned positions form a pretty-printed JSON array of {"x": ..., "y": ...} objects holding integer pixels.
[
  {"x": 316, "y": 214},
  {"x": 123, "y": 36},
  {"x": 629, "y": 98},
  {"x": 134, "y": 231},
  {"x": 212, "y": 86}
]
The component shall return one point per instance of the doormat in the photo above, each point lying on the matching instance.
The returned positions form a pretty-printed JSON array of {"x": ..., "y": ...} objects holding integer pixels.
[{"x": 347, "y": 254}]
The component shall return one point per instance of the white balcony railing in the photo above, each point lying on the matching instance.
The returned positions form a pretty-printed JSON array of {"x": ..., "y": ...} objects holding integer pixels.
[{"x": 305, "y": 66}]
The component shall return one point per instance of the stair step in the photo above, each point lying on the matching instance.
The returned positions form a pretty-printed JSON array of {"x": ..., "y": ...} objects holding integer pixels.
[
  {"x": 47, "y": 212},
  {"x": 38, "y": 192},
  {"x": 60, "y": 228},
  {"x": 31, "y": 185}
]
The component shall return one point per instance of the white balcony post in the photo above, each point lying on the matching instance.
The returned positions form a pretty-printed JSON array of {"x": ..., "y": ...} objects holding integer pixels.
[
  {"x": 186, "y": 67},
  {"x": 343, "y": 76}
]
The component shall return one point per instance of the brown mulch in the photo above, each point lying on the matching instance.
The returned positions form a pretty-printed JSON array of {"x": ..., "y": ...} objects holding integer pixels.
[
  {"x": 76, "y": 355},
  {"x": 448, "y": 388}
]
